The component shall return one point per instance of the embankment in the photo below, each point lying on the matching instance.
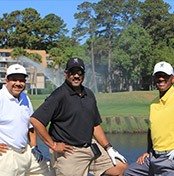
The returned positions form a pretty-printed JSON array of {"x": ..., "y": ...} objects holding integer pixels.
[{"x": 125, "y": 124}]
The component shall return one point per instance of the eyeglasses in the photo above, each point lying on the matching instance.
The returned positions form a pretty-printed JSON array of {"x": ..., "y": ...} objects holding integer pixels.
[
  {"x": 161, "y": 75},
  {"x": 75, "y": 71}
]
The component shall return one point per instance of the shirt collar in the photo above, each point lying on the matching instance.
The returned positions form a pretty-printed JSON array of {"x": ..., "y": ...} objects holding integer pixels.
[
  {"x": 10, "y": 96},
  {"x": 7, "y": 93},
  {"x": 72, "y": 91},
  {"x": 167, "y": 94}
]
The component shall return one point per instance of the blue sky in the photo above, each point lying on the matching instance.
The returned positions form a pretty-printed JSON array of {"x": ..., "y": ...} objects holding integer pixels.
[{"x": 63, "y": 8}]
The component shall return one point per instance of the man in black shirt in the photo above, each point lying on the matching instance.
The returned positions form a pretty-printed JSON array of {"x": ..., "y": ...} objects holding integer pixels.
[{"x": 74, "y": 120}]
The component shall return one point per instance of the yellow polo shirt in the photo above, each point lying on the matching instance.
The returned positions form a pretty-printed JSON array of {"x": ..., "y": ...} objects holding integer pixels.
[{"x": 162, "y": 122}]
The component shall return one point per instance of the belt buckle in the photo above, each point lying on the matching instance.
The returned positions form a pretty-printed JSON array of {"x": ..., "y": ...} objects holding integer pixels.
[
  {"x": 86, "y": 145},
  {"x": 22, "y": 150}
]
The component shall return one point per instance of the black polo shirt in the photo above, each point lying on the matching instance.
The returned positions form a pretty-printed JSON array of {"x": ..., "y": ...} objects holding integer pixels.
[{"x": 72, "y": 116}]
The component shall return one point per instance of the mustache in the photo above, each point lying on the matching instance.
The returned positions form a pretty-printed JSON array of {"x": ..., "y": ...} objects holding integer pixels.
[
  {"x": 160, "y": 81},
  {"x": 19, "y": 86},
  {"x": 77, "y": 78}
]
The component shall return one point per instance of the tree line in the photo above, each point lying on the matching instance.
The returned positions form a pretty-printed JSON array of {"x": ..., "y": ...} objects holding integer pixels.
[{"x": 120, "y": 40}]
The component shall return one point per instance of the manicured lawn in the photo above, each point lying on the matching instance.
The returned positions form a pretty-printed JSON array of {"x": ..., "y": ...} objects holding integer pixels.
[
  {"x": 119, "y": 104},
  {"x": 37, "y": 100},
  {"x": 134, "y": 103}
]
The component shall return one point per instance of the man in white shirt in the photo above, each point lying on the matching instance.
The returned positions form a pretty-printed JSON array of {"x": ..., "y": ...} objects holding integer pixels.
[{"x": 19, "y": 155}]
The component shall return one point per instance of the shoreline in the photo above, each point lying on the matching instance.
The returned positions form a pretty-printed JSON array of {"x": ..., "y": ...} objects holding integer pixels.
[{"x": 125, "y": 124}]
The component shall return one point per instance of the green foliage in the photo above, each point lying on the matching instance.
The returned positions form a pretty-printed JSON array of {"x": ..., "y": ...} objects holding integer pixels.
[
  {"x": 154, "y": 17},
  {"x": 134, "y": 45},
  {"x": 35, "y": 57},
  {"x": 65, "y": 49},
  {"x": 27, "y": 29},
  {"x": 17, "y": 52},
  {"x": 56, "y": 55},
  {"x": 86, "y": 22}
]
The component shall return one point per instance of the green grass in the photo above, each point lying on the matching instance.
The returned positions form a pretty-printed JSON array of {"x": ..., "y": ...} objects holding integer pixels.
[
  {"x": 122, "y": 104},
  {"x": 37, "y": 100},
  {"x": 134, "y": 103}
]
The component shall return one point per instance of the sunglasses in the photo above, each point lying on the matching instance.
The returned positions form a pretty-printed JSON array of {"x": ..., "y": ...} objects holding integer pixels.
[{"x": 76, "y": 71}]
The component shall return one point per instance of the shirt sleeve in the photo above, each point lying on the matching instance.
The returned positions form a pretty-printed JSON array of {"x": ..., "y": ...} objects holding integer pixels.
[{"x": 47, "y": 109}]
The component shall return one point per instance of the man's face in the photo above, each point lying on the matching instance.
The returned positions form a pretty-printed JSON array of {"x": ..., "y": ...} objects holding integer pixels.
[
  {"x": 163, "y": 81},
  {"x": 15, "y": 84},
  {"x": 75, "y": 77}
]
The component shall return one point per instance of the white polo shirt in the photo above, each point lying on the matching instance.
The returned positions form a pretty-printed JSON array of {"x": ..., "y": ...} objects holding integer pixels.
[{"x": 14, "y": 118}]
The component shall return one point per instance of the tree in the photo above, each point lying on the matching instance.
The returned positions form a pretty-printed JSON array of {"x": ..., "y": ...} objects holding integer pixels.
[
  {"x": 132, "y": 56},
  {"x": 4, "y": 28},
  {"x": 23, "y": 27},
  {"x": 35, "y": 57},
  {"x": 154, "y": 17},
  {"x": 17, "y": 52},
  {"x": 28, "y": 30},
  {"x": 112, "y": 17},
  {"x": 51, "y": 29},
  {"x": 66, "y": 48},
  {"x": 86, "y": 26}
]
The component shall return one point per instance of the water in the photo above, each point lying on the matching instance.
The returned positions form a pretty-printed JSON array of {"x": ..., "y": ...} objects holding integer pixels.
[
  {"x": 56, "y": 76},
  {"x": 129, "y": 145}
]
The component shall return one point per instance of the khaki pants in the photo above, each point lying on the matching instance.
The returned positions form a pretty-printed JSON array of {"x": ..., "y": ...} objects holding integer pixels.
[
  {"x": 81, "y": 162},
  {"x": 13, "y": 163}
]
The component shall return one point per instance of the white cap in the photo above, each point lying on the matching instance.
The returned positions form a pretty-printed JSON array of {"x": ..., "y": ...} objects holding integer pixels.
[
  {"x": 16, "y": 69},
  {"x": 163, "y": 67}
]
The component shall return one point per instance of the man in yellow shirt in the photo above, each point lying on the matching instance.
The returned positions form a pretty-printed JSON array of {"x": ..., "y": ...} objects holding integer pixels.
[{"x": 159, "y": 158}]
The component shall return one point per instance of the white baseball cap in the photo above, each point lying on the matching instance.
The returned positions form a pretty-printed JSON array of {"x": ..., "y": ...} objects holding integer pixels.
[
  {"x": 163, "y": 67},
  {"x": 16, "y": 69}
]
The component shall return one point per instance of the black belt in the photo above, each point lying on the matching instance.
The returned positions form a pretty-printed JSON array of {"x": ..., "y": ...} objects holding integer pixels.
[
  {"x": 160, "y": 153},
  {"x": 21, "y": 150},
  {"x": 86, "y": 145}
]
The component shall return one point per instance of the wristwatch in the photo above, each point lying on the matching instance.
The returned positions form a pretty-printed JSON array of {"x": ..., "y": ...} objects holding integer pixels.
[{"x": 107, "y": 146}]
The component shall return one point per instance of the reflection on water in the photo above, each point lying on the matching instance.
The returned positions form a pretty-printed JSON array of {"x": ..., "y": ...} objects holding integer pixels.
[{"x": 130, "y": 145}]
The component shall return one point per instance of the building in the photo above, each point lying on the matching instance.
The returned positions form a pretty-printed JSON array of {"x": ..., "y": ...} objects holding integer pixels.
[
  {"x": 36, "y": 79},
  {"x": 7, "y": 54}
]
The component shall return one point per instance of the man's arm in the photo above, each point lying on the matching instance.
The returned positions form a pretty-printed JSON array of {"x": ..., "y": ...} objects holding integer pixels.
[
  {"x": 145, "y": 155},
  {"x": 100, "y": 136},
  {"x": 32, "y": 137},
  {"x": 42, "y": 131},
  {"x": 103, "y": 141},
  {"x": 149, "y": 141},
  {"x": 33, "y": 144}
]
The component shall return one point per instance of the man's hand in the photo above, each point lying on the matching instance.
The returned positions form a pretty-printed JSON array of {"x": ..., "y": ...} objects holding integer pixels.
[
  {"x": 142, "y": 158},
  {"x": 61, "y": 147},
  {"x": 37, "y": 153},
  {"x": 115, "y": 155},
  {"x": 3, "y": 148},
  {"x": 171, "y": 155}
]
